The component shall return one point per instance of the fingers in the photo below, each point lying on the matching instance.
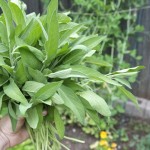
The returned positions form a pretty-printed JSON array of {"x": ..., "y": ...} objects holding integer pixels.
[
  {"x": 19, "y": 137},
  {"x": 5, "y": 124}
]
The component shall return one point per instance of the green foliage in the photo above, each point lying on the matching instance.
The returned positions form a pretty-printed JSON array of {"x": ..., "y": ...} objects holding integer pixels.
[
  {"x": 41, "y": 70},
  {"x": 24, "y": 146},
  {"x": 116, "y": 21}
]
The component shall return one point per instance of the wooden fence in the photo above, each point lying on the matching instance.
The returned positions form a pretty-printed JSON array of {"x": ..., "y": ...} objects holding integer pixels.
[{"x": 142, "y": 87}]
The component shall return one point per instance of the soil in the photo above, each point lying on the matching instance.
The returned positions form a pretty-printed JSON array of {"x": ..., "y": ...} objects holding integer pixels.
[
  {"x": 76, "y": 132},
  {"x": 135, "y": 129}
]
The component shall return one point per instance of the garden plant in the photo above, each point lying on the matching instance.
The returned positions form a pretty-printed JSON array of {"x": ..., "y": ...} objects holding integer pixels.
[
  {"x": 118, "y": 21},
  {"x": 43, "y": 66}
]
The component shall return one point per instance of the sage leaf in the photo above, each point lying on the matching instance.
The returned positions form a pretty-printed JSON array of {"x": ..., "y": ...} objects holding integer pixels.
[
  {"x": 97, "y": 102},
  {"x": 32, "y": 117},
  {"x": 37, "y": 75},
  {"x": 32, "y": 86},
  {"x": 51, "y": 45},
  {"x": 17, "y": 15},
  {"x": 93, "y": 42},
  {"x": 1, "y": 99},
  {"x": 93, "y": 74},
  {"x": 29, "y": 59},
  {"x": 20, "y": 73},
  {"x": 59, "y": 124},
  {"x": 67, "y": 34},
  {"x": 72, "y": 101},
  {"x": 128, "y": 94},
  {"x": 13, "y": 91},
  {"x": 8, "y": 18},
  {"x": 47, "y": 91}
]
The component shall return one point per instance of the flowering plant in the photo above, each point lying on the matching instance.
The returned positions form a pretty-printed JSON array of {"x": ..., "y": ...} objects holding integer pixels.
[{"x": 105, "y": 142}]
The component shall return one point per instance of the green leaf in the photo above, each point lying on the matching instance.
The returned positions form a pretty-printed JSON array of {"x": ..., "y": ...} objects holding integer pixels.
[
  {"x": 74, "y": 56},
  {"x": 20, "y": 74},
  {"x": 126, "y": 72},
  {"x": 97, "y": 61},
  {"x": 43, "y": 29},
  {"x": 123, "y": 81},
  {"x": 92, "y": 113},
  {"x": 66, "y": 73},
  {"x": 51, "y": 45},
  {"x": 67, "y": 34},
  {"x": 93, "y": 42},
  {"x": 93, "y": 74},
  {"x": 29, "y": 59},
  {"x": 11, "y": 109},
  {"x": 47, "y": 102},
  {"x": 13, "y": 91},
  {"x": 32, "y": 118},
  {"x": 37, "y": 75},
  {"x": 5, "y": 66},
  {"x": 57, "y": 99},
  {"x": 63, "y": 18},
  {"x": 37, "y": 53},
  {"x": 128, "y": 94},
  {"x": 74, "y": 85},
  {"x": 3, "y": 33},
  {"x": 3, "y": 79},
  {"x": 3, "y": 48},
  {"x": 64, "y": 27},
  {"x": 72, "y": 101},
  {"x": 60, "y": 74},
  {"x": 24, "y": 107},
  {"x": 39, "y": 109},
  {"x": 47, "y": 91},
  {"x": 50, "y": 115},
  {"x": 59, "y": 124},
  {"x": 96, "y": 102},
  {"x": 17, "y": 14},
  {"x": 94, "y": 116},
  {"x": 8, "y": 18},
  {"x": 32, "y": 32},
  {"x": 83, "y": 38},
  {"x": 32, "y": 86},
  {"x": 1, "y": 99}
]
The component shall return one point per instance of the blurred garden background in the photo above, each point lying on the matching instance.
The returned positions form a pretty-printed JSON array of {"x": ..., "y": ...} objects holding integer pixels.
[{"x": 124, "y": 26}]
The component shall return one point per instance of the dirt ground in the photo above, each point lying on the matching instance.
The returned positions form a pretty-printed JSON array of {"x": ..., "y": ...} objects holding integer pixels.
[
  {"x": 135, "y": 129},
  {"x": 76, "y": 132}
]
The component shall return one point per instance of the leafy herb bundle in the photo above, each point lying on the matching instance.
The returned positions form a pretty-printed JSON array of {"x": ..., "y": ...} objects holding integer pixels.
[{"x": 43, "y": 67}]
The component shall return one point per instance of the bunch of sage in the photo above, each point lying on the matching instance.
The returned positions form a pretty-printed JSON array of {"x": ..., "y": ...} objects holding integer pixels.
[{"x": 43, "y": 67}]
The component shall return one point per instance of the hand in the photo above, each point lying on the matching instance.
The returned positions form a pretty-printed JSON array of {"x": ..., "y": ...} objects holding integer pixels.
[{"x": 9, "y": 138}]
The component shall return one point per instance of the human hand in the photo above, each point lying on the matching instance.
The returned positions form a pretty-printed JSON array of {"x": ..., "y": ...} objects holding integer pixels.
[{"x": 9, "y": 138}]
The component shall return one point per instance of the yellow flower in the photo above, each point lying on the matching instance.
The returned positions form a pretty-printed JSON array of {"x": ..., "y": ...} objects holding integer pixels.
[
  {"x": 103, "y": 134},
  {"x": 109, "y": 148},
  {"x": 103, "y": 143},
  {"x": 113, "y": 145}
]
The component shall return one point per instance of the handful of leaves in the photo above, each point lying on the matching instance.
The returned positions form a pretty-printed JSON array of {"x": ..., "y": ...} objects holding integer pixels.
[{"x": 43, "y": 67}]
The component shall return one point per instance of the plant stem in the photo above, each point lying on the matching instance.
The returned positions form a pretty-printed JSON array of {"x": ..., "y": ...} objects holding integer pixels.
[
  {"x": 44, "y": 137},
  {"x": 73, "y": 139}
]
